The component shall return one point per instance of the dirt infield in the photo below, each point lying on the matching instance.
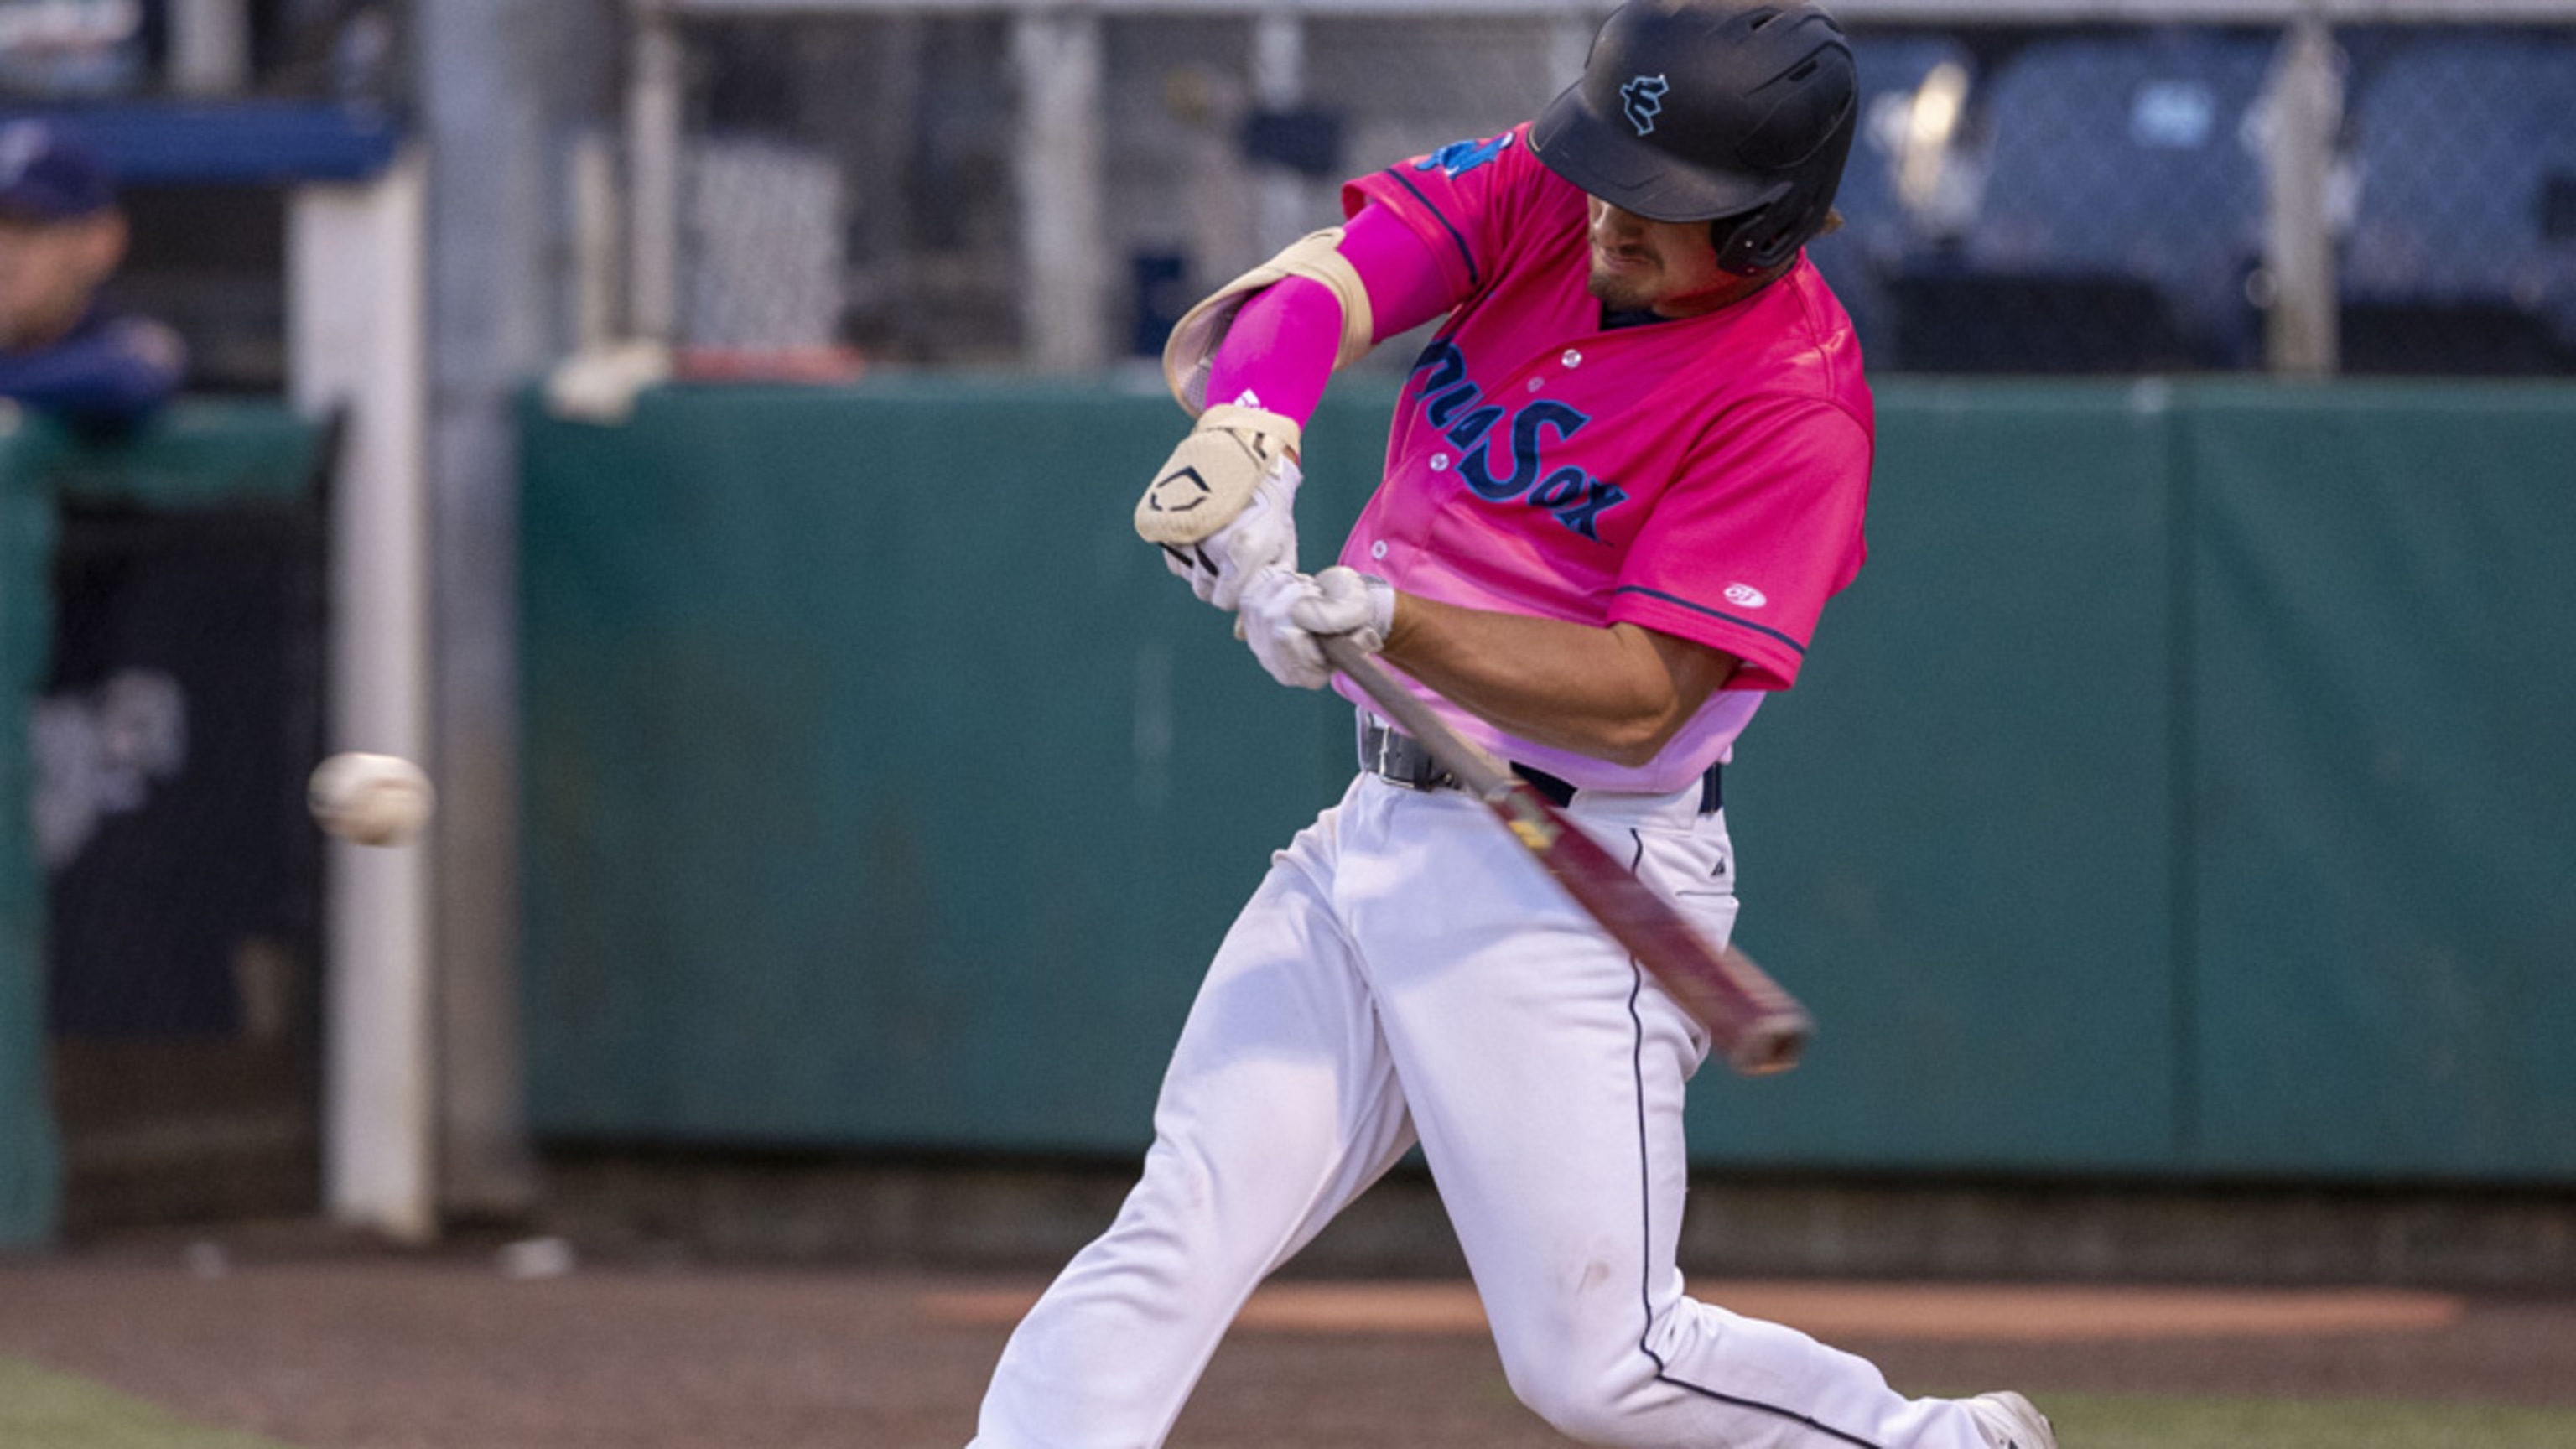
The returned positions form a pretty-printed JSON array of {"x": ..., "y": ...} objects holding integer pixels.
[{"x": 355, "y": 1347}]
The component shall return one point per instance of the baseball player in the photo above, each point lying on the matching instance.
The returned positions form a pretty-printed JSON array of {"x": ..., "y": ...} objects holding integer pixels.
[
  {"x": 1621, "y": 482},
  {"x": 62, "y": 349}
]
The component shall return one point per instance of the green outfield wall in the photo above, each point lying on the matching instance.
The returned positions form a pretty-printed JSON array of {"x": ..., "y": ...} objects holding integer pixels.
[
  {"x": 2183, "y": 790},
  {"x": 195, "y": 455},
  {"x": 30, "y": 1154}
]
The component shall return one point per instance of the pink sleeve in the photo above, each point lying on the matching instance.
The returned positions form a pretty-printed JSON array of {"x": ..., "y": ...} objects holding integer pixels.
[
  {"x": 1468, "y": 202},
  {"x": 1279, "y": 352},
  {"x": 1741, "y": 552}
]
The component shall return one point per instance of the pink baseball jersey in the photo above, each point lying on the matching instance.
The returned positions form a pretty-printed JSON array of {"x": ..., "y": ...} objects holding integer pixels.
[{"x": 1703, "y": 477}]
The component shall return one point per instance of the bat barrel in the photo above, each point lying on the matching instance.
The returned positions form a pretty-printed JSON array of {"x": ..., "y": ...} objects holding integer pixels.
[{"x": 1771, "y": 1045}]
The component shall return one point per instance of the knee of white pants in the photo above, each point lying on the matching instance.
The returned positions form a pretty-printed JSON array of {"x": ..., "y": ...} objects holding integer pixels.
[
  {"x": 1169, "y": 1218},
  {"x": 1584, "y": 1409},
  {"x": 1584, "y": 1384}
]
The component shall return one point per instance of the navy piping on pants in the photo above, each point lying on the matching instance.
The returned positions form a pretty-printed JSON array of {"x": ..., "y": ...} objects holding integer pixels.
[{"x": 1646, "y": 1223}]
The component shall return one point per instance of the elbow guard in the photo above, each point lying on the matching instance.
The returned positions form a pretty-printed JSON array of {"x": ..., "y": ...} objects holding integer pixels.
[{"x": 1189, "y": 352}]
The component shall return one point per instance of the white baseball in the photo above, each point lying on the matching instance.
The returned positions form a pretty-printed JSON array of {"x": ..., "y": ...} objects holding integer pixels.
[{"x": 370, "y": 799}]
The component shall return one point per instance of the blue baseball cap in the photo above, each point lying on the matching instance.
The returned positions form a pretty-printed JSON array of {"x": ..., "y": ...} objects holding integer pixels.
[{"x": 48, "y": 173}]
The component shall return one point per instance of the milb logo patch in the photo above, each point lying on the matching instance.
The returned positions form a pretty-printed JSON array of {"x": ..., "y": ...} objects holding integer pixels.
[
  {"x": 1460, "y": 157},
  {"x": 1518, "y": 470}
]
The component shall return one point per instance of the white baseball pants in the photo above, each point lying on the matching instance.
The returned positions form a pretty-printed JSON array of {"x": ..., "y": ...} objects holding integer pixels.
[{"x": 1407, "y": 970}]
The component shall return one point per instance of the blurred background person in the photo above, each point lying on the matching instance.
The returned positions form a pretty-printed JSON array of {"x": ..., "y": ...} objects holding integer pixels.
[{"x": 63, "y": 348}]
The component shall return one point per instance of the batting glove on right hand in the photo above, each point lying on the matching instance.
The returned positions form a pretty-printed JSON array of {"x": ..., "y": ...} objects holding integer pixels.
[{"x": 1283, "y": 613}]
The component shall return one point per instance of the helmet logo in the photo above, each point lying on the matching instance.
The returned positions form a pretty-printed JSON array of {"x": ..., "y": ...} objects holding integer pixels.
[{"x": 1643, "y": 100}]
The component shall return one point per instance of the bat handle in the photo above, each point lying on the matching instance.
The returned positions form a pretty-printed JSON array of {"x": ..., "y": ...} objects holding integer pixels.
[{"x": 1483, "y": 776}]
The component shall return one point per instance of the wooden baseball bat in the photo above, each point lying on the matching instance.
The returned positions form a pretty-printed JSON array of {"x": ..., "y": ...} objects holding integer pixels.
[{"x": 1758, "y": 1027}]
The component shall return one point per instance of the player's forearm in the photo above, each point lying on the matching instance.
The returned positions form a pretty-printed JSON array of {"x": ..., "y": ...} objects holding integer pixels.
[
  {"x": 1616, "y": 694},
  {"x": 1279, "y": 354}
]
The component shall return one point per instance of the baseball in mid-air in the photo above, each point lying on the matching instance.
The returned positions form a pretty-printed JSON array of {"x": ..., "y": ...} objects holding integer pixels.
[{"x": 370, "y": 799}]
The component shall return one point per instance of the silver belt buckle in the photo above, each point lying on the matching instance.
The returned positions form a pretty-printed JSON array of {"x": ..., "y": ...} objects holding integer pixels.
[{"x": 1384, "y": 765}]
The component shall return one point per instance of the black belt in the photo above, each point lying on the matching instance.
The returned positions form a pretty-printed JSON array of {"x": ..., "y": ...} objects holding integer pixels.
[{"x": 1401, "y": 759}]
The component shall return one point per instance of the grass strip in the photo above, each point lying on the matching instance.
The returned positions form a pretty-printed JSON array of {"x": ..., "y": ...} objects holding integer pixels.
[
  {"x": 2086, "y": 1421},
  {"x": 58, "y": 1411}
]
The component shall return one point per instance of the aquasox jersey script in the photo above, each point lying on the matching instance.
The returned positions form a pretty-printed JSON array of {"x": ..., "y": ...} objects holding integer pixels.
[{"x": 1703, "y": 477}]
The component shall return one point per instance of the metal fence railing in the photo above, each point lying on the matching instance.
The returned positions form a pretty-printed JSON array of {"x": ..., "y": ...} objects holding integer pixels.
[{"x": 2051, "y": 186}]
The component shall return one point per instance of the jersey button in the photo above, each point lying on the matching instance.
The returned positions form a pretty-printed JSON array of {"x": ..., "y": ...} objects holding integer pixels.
[
  {"x": 1439, "y": 462},
  {"x": 1378, "y": 549},
  {"x": 1535, "y": 384},
  {"x": 1573, "y": 358}
]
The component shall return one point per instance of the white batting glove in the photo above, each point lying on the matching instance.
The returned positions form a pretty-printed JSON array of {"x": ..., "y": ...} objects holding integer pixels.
[
  {"x": 1283, "y": 613},
  {"x": 1262, "y": 538},
  {"x": 1220, "y": 507}
]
